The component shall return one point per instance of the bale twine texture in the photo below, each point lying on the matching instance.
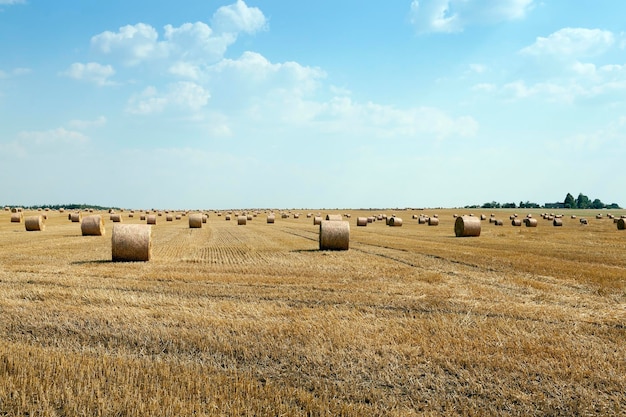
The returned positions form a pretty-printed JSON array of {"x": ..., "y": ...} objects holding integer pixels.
[
  {"x": 334, "y": 235},
  {"x": 361, "y": 221},
  {"x": 131, "y": 242},
  {"x": 195, "y": 221},
  {"x": 467, "y": 226},
  {"x": 92, "y": 226},
  {"x": 34, "y": 223},
  {"x": 241, "y": 220}
]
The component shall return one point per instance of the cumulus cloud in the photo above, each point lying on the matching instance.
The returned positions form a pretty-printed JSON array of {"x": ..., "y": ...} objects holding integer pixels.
[
  {"x": 572, "y": 42},
  {"x": 183, "y": 95},
  {"x": 238, "y": 17},
  {"x": 449, "y": 16},
  {"x": 131, "y": 43},
  {"x": 91, "y": 72}
]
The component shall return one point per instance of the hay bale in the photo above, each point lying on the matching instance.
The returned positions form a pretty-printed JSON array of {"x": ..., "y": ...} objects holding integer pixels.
[
  {"x": 557, "y": 222},
  {"x": 530, "y": 222},
  {"x": 516, "y": 222},
  {"x": 34, "y": 223},
  {"x": 317, "y": 220},
  {"x": 467, "y": 226},
  {"x": 205, "y": 218},
  {"x": 573, "y": 216},
  {"x": 142, "y": 217},
  {"x": 115, "y": 218},
  {"x": 151, "y": 219},
  {"x": 334, "y": 235},
  {"x": 483, "y": 217},
  {"x": 422, "y": 220},
  {"x": 371, "y": 219},
  {"x": 433, "y": 221},
  {"x": 249, "y": 217},
  {"x": 195, "y": 221},
  {"x": 131, "y": 242},
  {"x": 92, "y": 226},
  {"x": 584, "y": 221},
  {"x": 271, "y": 218},
  {"x": 178, "y": 217},
  {"x": 227, "y": 217},
  {"x": 169, "y": 217},
  {"x": 621, "y": 224},
  {"x": 75, "y": 217},
  {"x": 395, "y": 222},
  {"x": 498, "y": 222},
  {"x": 334, "y": 217},
  {"x": 361, "y": 221},
  {"x": 131, "y": 215},
  {"x": 17, "y": 217},
  {"x": 241, "y": 220}
]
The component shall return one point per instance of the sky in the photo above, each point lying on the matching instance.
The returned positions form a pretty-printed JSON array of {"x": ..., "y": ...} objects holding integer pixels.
[{"x": 311, "y": 104}]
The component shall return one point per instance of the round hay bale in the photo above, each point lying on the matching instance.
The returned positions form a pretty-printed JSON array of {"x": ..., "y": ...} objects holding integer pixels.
[
  {"x": 241, "y": 220},
  {"x": 371, "y": 219},
  {"x": 151, "y": 219},
  {"x": 317, "y": 220},
  {"x": 92, "y": 226},
  {"x": 227, "y": 217},
  {"x": 271, "y": 218},
  {"x": 573, "y": 216},
  {"x": 131, "y": 215},
  {"x": 296, "y": 216},
  {"x": 433, "y": 221},
  {"x": 195, "y": 221},
  {"x": 598, "y": 216},
  {"x": 467, "y": 226},
  {"x": 284, "y": 216},
  {"x": 498, "y": 222},
  {"x": 422, "y": 220},
  {"x": 511, "y": 217},
  {"x": 334, "y": 217},
  {"x": 34, "y": 223},
  {"x": 516, "y": 222},
  {"x": 205, "y": 218},
  {"x": 334, "y": 235},
  {"x": 584, "y": 221},
  {"x": 557, "y": 222},
  {"x": 178, "y": 217},
  {"x": 115, "y": 218},
  {"x": 75, "y": 217},
  {"x": 530, "y": 222},
  {"x": 169, "y": 217},
  {"x": 414, "y": 217},
  {"x": 361, "y": 221},
  {"x": 621, "y": 224},
  {"x": 483, "y": 217},
  {"x": 249, "y": 217},
  {"x": 131, "y": 242},
  {"x": 395, "y": 222},
  {"x": 142, "y": 217},
  {"x": 17, "y": 217}
]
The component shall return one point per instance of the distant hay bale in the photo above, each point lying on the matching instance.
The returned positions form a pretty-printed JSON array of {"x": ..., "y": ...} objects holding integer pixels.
[
  {"x": 598, "y": 216},
  {"x": 621, "y": 224},
  {"x": 169, "y": 217},
  {"x": 334, "y": 235},
  {"x": 334, "y": 217},
  {"x": 361, "y": 221},
  {"x": 92, "y": 226},
  {"x": 195, "y": 221},
  {"x": 371, "y": 219},
  {"x": 433, "y": 221},
  {"x": 142, "y": 217},
  {"x": 557, "y": 222},
  {"x": 17, "y": 217},
  {"x": 205, "y": 218},
  {"x": 76, "y": 217},
  {"x": 34, "y": 223},
  {"x": 284, "y": 216},
  {"x": 227, "y": 217},
  {"x": 414, "y": 217},
  {"x": 131, "y": 242},
  {"x": 178, "y": 217},
  {"x": 395, "y": 222},
  {"x": 422, "y": 220},
  {"x": 516, "y": 222},
  {"x": 131, "y": 215},
  {"x": 498, "y": 222},
  {"x": 584, "y": 221},
  {"x": 317, "y": 220},
  {"x": 467, "y": 226},
  {"x": 573, "y": 216},
  {"x": 151, "y": 219},
  {"x": 530, "y": 222},
  {"x": 249, "y": 217},
  {"x": 271, "y": 218},
  {"x": 483, "y": 217},
  {"x": 241, "y": 220},
  {"x": 115, "y": 218}
]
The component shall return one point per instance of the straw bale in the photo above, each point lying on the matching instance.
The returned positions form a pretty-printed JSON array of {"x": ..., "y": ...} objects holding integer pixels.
[
  {"x": 621, "y": 224},
  {"x": 334, "y": 235},
  {"x": 205, "y": 218},
  {"x": 75, "y": 217},
  {"x": 334, "y": 217},
  {"x": 131, "y": 242},
  {"x": 584, "y": 221},
  {"x": 34, "y": 223},
  {"x": 422, "y": 220},
  {"x": 530, "y": 222},
  {"x": 467, "y": 226},
  {"x": 557, "y": 222},
  {"x": 169, "y": 217},
  {"x": 498, "y": 222},
  {"x": 178, "y": 217},
  {"x": 371, "y": 219},
  {"x": 195, "y": 221},
  {"x": 516, "y": 222},
  {"x": 433, "y": 221},
  {"x": 142, "y": 217},
  {"x": 395, "y": 222},
  {"x": 249, "y": 217},
  {"x": 483, "y": 217},
  {"x": 151, "y": 219},
  {"x": 17, "y": 217},
  {"x": 241, "y": 220},
  {"x": 92, "y": 226},
  {"x": 361, "y": 221},
  {"x": 115, "y": 218},
  {"x": 317, "y": 220},
  {"x": 227, "y": 217},
  {"x": 271, "y": 218}
]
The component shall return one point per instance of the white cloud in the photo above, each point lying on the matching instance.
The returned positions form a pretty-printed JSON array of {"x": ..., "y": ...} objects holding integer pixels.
[
  {"x": 477, "y": 68},
  {"x": 9, "y": 2},
  {"x": 196, "y": 42},
  {"x": 47, "y": 142},
  {"x": 87, "y": 124},
  {"x": 238, "y": 17},
  {"x": 184, "y": 95},
  {"x": 449, "y": 16},
  {"x": 572, "y": 42},
  {"x": 131, "y": 43},
  {"x": 15, "y": 72},
  {"x": 92, "y": 72}
]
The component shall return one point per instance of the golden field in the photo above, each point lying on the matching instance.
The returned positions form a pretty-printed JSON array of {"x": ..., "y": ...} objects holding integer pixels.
[{"x": 254, "y": 320}]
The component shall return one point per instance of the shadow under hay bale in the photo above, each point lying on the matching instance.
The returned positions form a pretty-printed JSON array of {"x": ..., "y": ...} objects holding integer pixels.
[
  {"x": 467, "y": 226},
  {"x": 131, "y": 243},
  {"x": 334, "y": 235},
  {"x": 92, "y": 226}
]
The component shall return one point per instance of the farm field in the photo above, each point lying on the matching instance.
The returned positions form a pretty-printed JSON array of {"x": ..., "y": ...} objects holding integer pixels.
[{"x": 254, "y": 320}]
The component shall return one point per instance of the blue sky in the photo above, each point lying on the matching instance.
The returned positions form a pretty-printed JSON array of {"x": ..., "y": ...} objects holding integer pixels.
[{"x": 320, "y": 104}]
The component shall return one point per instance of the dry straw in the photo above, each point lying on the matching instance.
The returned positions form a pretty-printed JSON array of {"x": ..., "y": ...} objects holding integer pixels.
[
  {"x": 75, "y": 217},
  {"x": 530, "y": 222},
  {"x": 317, "y": 220},
  {"x": 34, "y": 223},
  {"x": 621, "y": 224},
  {"x": 467, "y": 226},
  {"x": 131, "y": 242},
  {"x": 395, "y": 221},
  {"x": 92, "y": 226},
  {"x": 271, "y": 218},
  {"x": 115, "y": 218},
  {"x": 557, "y": 222},
  {"x": 433, "y": 221},
  {"x": 334, "y": 217},
  {"x": 241, "y": 220},
  {"x": 151, "y": 219},
  {"x": 334, "y": 235},
  {"x": 17, "y": 217},
  {"x": 361, "y": 221},
  {"x": 195, "y": 221}
]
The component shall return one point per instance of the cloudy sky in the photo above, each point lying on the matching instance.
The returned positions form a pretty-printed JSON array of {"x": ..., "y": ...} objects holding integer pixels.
[{"x": 319, "y": 104}]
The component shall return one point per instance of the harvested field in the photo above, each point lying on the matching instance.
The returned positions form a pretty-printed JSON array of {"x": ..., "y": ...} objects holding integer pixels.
[{"x": 255, "y": 320}]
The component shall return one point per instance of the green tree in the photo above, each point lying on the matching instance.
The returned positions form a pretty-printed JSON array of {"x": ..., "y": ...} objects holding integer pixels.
[
  {"x": 597, "y": 204},
  {"x": 582, "y": 202},
  {"x": 569, "y": 202}
]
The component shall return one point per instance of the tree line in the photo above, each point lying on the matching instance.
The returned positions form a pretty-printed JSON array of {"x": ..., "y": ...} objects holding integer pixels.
[{"x": 580, "y": 202}]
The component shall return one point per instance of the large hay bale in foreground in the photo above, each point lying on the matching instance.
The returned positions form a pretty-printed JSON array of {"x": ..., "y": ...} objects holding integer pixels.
[
  {"x": 17, "y": 217},
  {"x": 242, "y": 220},
  {"x": 395, "y": 222},
  {"x": 334, "y": 217},
  {"x": 34, "y": 223},
  {"x": 92, "y": 226},
  {"x": 131, "y": 242},
  {"x": 361, "y": 221},
  {"x": 334, "y": 235},
  {"x": 621, "y": 224},
  {"x": 467, "y": 226},
  {"x": 195, "y": 221}
]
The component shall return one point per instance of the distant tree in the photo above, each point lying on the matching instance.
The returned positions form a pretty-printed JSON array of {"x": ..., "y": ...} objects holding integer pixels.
[
  {"x": 613, "y": 206},
  {"x": 509, "y": 205},
  {"x": 570, "y": 201},
  {"x": 582, "y": 202},
  {"x": 597, "y": 204}
]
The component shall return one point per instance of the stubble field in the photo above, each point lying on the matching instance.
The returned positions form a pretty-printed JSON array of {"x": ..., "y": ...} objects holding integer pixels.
[{"x": 254, "y": 320}]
